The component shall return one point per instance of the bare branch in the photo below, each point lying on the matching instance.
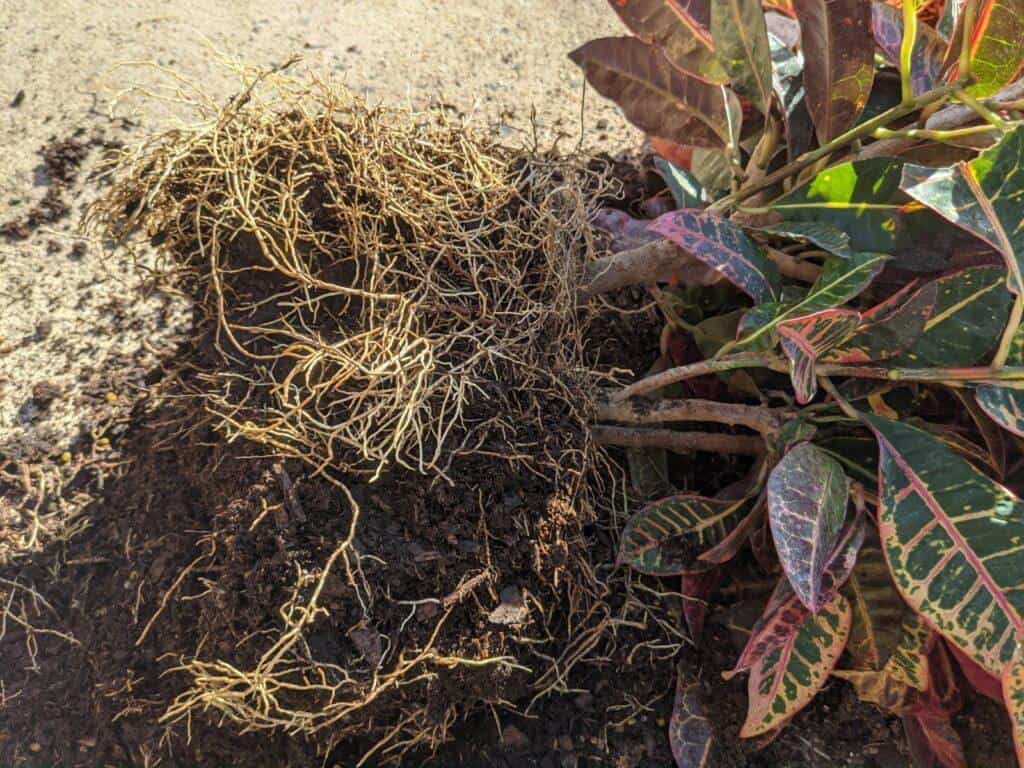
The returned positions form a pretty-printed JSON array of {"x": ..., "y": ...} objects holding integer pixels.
[
  {"x": 763, "y": 420},
  {"x": 677, "y": 442}
]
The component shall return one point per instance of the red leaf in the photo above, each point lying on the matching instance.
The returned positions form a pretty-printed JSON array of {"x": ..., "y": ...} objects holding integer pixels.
[
  {"x": 976, "y": 675},
  {"x": 689, "y": 731},
  {"x": 839, "y": 66}
]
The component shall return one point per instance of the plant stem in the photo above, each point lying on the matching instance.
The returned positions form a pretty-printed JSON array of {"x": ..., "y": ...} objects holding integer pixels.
[
  {"x": 1009, "y": 332},
  {"x": 907, "y": 50},
  {"x": 1006, "y": 376},
  {"x": 704, "y": 367},
  {"x": 843, "y": 403},
  {"x": 764, "y": 420},
  {"x": 866, "y": 128},
  {"x": 970, "y": 15},
  {"x": 923, "y": 134},
  {"x": 997, "y": 122},
  {"x": 677, "y": 442}
]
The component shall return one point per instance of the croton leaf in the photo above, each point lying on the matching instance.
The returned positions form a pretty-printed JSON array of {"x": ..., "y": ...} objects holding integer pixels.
[
  {"x": 794, "y": 667},
  {"x": 805, "y": 339},
  {"x": 689, "y": 731},
  {"x": 788, "y": 84},
  {"x": 655, "y": 95},
  {"x": 839, "y": 281},
  {"x": 970, "y": 312},
  {"x": 839, "y": 57},
  {"x": 888, "y": 329},
  {"x": 982, "y": 196},
  {"x": 878, "y": 687},
  {"x": 932, "y": 738},
  {"x": 877, "y": 607},
  {"x": 741, "y": 45},
  {"x": 926, "y": 59},
  {"x": 1013, "y": 696},
  {"x": 954, "y": 541},
  {"x": 909, "y": 660},
  {"x": 681, "y": 28},
  {"x": 1005, "y": 405},
  {"x": 730, "y": 545},
  {"x": 818, "y": 233},
  {"x": 997, "y": 45},
  {"x": 980, "y": 680},
  {"x": 685, "y": 189},
  {"x": 863, "y": 199},
  {"x": 696, "y": 587},
  {"x": 724, "y": 247},
  {"x": 948, "y": 20},
  {"x": 807, "y": 494},
  {"x": 666, "y": 537}
]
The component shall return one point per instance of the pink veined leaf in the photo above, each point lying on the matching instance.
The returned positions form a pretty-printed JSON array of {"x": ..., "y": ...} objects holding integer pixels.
[
  {"x": 729, "y": 547},
  {"x": 724, "y": 247},
  {"x": 888, "y": 329},
  {"x": 805, "y": 339},
  {"x": 807, "y": 499},
  {"x": 689, "y": 731},
  {"x": 1013, "y": 697}
]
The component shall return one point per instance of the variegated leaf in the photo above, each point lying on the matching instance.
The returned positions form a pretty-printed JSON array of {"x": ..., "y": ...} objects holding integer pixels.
[
  {"x": 681, "y": 28},
  {"x": 970, "y": 312},
  {"x": 838, "y": 61},
  {"x": 787, "y": 676},
  {"x": 877, "y": 607},
  {"x": 863, "y": 199},
  {"x": 818, "y": 233},
  {"x": 741, "y": 45},
  {"x": 805, "y": 339},
  {"x": 666, "y": 537},
  {"x": 655, "y": 95},
  {"x": 1005, "y": 405},
  {"x": 689, "y": 731},
  {"x": 983, "y": 197},
  {"x": 1013, "y": 697},
  {"x": 928, "y": 53},
  {"x": 954, "y": 540},
  {"x": 878, "y": 687},
  {"x": 909, "y": 660},
  {"x": 807, "y": 495},
  {"x": 788, "y": 84},
  {"x": 685, "y": 189},
  {"x": 840, "y": 280},
  {"x": 888, "y": 329},
  {"x": 997, "y": 45},
  {"x": 724, "y": 247}
]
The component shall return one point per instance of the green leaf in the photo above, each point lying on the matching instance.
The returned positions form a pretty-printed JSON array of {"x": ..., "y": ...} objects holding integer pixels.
[
  {"x": 929, "y": 50},
  {"x": 877, "y": 607},
  {"x": 806, "y": 508},
  {"x": 818, "y": 233},
  {"x": 1005, "y": 405},
  {"x": 680, "y": 28},
  {"x": 997, "y": 46},
  {"x": 888, "y": 329},
  {"x": 689, "y": 731},
  {"x": 805, "y": 339},
  {"x": 656, "y": 96},
  {"x": 971, "y": 310},
  {"x": 686, "y": 190},
  {"x": 982, "y": 196},
  {"x": 667, "y": 536},
  {"x": 863, "y": 199},
  {"x": 839, "y": 55},
  {"x": 954, "y": 541},
  {"x": 840, "y": 280},
  {"x": 795, "y": 665},
  {"x": 724, "y": 247},
  {"x": 741, "y": 44}
]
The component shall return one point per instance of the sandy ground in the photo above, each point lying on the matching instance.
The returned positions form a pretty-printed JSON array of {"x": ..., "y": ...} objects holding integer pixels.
[{"x": 75, "y": 327}]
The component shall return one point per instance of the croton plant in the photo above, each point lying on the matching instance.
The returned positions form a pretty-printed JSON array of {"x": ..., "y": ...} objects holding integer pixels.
[{"x": 836, "y": 245}]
